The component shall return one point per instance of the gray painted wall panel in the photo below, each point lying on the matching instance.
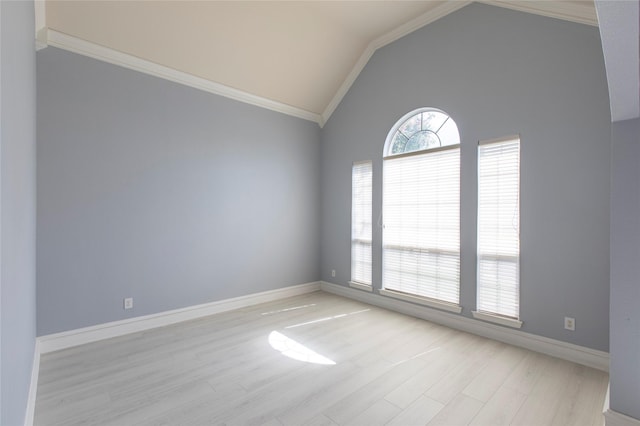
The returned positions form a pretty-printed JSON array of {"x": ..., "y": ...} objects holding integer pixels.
[
  {"x": 172, "y": 196},
  {"x": 625, "y": 268},
  {"x": 496, "y": 72},
  {"x": 18, "y": 207}
]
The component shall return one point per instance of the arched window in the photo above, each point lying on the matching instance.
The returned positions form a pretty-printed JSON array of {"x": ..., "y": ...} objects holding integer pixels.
[
  {"x": 422, "y": 130},
  {"x": 421, "y": 210}
]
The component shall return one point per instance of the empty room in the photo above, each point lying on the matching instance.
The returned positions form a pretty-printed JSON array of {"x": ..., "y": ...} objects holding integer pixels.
[{"x": 320, "y": 213}]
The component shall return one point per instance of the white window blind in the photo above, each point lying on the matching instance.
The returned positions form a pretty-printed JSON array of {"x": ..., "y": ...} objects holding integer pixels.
[
  {"x": 361, "y": 188},
  {"x": 421, "y": 247},
  {"x": 499, "y": 227}
]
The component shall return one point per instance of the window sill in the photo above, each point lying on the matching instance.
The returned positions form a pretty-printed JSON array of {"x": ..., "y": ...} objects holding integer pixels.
[
  {"x": 497, "y": 319},
  {"x": 361, "y": 286},
  {"x": 451, "y": 307}
]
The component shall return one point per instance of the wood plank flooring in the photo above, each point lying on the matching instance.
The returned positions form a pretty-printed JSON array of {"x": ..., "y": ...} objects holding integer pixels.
[{"x": 389, "y": 369}]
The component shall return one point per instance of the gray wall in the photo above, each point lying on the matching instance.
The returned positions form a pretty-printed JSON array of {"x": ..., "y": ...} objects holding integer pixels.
[
  {"x": 496, "y": 72},
  {"x": 17, "y": 207},
  {"x": 172, "y": 196},
  {"x": 625, "y": 267}
]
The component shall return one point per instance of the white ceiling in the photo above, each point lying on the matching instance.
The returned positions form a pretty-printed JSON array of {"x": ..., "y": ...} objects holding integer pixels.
[{"x": 297, "y": 57}]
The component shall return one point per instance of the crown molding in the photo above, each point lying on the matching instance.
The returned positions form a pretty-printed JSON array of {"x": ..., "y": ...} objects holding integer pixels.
[
  {"x": 105, "y": 54},
  {"x": 403, "y": 30},
  {"x": 40, "y": 14},
  {"x": 573, "y": 12},
  {"x": 569, "y": 11}
]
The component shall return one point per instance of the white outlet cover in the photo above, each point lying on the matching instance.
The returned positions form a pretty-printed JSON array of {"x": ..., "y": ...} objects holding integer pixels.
[
  {"x": 570, "y": 323},
  {"x": 128, "y": 303}
]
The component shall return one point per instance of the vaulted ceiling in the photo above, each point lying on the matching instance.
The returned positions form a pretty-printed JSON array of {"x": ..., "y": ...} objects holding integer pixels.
[{"x": 297, "y": 57}]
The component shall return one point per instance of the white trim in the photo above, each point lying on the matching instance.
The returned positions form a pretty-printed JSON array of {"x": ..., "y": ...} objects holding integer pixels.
[
  {"x": 95, "y": 51},
  {"x": 40, "y": 12},
  {"x": 509, "y": 322},
  {"x": 361, "y": 286},
  {"x": 346, "y": 84},
  {"x": 605, "y": 406},
  {"x": 613, "y": 418},
  {"x": 567, "y": 11},
  {"x": 568, "y": 351},
  {"x": 33, "y": 386},
  {"x": 416, "y": 23},
  {"x": 432, "y": 303},
  {"x": 40, "y": 15},
  {"x": 574, "y": 12},
  {"x": 67, "y": 339}
]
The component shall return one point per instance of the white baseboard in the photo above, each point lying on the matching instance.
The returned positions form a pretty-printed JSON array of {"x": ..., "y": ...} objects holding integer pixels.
[
  {"x": 68, "y": 339},
  {"x": 33, "y": 386},
  {"x": 579, "y": 354},
  {"x": 613, "y": 418}
]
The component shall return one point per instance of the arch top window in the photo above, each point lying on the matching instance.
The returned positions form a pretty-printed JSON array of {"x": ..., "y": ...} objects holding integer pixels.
[
  {"x": 421, "y": 210},
  {"x": 421, "y": 130}
]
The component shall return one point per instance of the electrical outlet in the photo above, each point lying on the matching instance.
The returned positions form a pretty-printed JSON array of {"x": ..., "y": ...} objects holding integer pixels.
[
  {"x": 569, "y": 323},
  {"x": 333, "y": 273},
  {"x": 128, "y": 303}
]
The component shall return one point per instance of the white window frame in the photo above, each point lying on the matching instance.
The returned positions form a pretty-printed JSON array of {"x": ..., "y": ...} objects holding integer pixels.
[
  {"x": 398, "y": 279},
  {"x": 498, "y": 232},
  {"x": 361, "y": 225}
]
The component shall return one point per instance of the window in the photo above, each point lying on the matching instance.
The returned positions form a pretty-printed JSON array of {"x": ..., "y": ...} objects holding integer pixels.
[
  {"x": 498, "y": 252},
  {"x": 421, "y": 210},
  {"x": 361, "y": 187}
]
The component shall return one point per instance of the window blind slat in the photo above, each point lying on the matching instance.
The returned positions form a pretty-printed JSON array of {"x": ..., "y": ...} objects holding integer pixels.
[
  {"x": 421, "y": 247},
  {"x": 498, "y": 249},
  {"x": 361, "y": 222}
]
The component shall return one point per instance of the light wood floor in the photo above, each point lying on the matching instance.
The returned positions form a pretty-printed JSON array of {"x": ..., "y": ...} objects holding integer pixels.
[{"x": 389, "y": 369}]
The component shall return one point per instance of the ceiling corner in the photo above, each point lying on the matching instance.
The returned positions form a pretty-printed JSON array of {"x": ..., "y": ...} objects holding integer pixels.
[
  {"x": 426, "y": 18},
  {"x": 40, "y": 15}
]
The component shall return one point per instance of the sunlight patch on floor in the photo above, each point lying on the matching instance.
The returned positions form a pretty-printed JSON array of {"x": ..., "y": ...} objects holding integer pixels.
[
  {"x": 288, "y": 309},
  {"x": 414, "y": 357},
  {"x": 327, "y": 318},
  {"x": 294, "y": 350}
]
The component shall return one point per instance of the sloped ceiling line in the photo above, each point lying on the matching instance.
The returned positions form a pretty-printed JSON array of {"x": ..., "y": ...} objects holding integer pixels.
[
  {"x": 581, "y": 12},
  {"x": 105, "y": 54},
  {"x": 411, "y": 26}
]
